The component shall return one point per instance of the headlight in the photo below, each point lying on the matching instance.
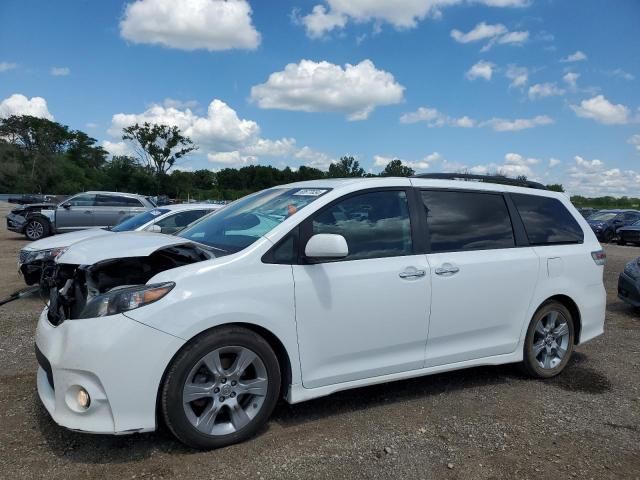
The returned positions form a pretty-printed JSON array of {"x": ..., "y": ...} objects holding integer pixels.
[
  {"x": 44, "y": 255},
  {"x": 125, "y": 299}
]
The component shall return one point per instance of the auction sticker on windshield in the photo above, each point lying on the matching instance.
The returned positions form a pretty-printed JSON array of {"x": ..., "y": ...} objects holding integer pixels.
[{"x": 311, "y": 192}]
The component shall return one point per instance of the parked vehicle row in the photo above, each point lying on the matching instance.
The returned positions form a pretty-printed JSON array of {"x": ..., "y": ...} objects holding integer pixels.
[
  {"x": 607, "y": 223},
  {"x": 306, "y": 289},
  {"x": 81, "y": 211},
  {"x": 169, "y": 220}
]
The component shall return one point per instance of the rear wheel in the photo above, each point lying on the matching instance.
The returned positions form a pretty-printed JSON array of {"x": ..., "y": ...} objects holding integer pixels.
[
  {"x": 36, "y": 229},
  {"x": 221, "y": 388},
  {"x": 549, "y": 341}
]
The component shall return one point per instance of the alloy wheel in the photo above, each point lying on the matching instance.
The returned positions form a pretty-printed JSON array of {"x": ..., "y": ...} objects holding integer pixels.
[
  {"x": 551, "y": 340},
  {"x": 225, "y": 390},
  {"x": 34, "y": 230}
]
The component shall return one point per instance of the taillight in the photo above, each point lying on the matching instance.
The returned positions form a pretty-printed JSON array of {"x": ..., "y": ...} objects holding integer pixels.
[{"x": 599, "y": 256}]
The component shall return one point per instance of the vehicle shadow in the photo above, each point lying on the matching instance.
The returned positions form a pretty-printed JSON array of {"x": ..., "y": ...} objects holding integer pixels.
[{"x": 107, "y": 449}]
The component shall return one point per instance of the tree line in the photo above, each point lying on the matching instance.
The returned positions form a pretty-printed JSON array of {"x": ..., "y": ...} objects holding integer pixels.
[{"x": 42, "y": 156}]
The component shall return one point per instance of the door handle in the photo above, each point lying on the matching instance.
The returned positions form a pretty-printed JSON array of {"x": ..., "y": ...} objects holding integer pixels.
[
  {"x": 87, "y": 211},
  {"x": 447, "y": 270},
  {"x": 121, "y": 212},
  {"x": 412, "y": 274}
]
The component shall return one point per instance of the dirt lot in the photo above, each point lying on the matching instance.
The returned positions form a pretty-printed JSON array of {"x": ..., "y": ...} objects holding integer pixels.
[{"x": 486, "y": 423}]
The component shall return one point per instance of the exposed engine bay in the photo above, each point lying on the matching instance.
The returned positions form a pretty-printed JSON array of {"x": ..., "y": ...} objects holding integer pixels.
[{"x": 70, "y": 288}]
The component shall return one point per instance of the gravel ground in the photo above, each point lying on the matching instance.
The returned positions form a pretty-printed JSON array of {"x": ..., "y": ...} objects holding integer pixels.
[{"x": 484, "y": 423}]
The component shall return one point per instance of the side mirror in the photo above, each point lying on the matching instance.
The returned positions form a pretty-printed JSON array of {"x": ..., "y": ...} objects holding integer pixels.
[
  {"x": 66, "y": 205},
  {"x": 154, "y": 228},
  {"x": 326, "y": 246}
]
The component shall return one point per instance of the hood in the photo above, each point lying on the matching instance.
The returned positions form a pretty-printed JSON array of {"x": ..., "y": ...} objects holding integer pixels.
[
  {"x": 35, "y": 206},
  {"x": 65, "y": 239},
  {"x": 595, "y": 223},
  {"x": 117, "y": 245}
]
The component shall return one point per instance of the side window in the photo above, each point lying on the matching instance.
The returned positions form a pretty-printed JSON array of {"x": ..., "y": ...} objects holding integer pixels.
[
  {"x": 375, "y": 224},
  {"x": 132, "y": 202},
  {"x": 547, "y": 221},
  {"x": 110, "y": 201},
  {"x": 173, "y": 223},
  {"x": 467, "y": 221},
  {"x": 82, "y": 200},
  {"x": 286, "y": 252}
]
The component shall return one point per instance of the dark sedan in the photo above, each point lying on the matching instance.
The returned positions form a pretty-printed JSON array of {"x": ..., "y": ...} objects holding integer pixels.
[
  {"x": 605, "y": 224},
  {"x": 629, "y": 283},
  {"x": 629, "y": 234}
]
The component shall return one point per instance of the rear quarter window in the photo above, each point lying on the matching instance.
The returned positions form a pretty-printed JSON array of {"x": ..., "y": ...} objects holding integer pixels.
[{"x": 547, "y": 221}]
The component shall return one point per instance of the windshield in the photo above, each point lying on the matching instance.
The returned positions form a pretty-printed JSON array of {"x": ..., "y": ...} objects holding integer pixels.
[
  {"x": 240, "y": 224},
  {"x": 603, "y": 217},
  {"x": 136, "y": 221}
]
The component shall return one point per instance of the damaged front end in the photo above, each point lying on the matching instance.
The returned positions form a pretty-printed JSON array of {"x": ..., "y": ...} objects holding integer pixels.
[{"x": 112, "y": 286}]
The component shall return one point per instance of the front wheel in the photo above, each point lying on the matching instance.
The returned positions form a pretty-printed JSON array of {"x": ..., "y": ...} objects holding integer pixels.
[
  {"x": 221, "y": 388},
  {"x": 36, "y": 229},
  {"x": 549, "y": 341},
  {"x": 608, "y": 236}
]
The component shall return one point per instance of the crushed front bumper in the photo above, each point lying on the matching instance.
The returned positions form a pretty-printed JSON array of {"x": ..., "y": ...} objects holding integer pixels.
[
  {"x": 629, "y": 290},
  {"x": 16, "y": 223},
  {"x": 118, "y": 361}
]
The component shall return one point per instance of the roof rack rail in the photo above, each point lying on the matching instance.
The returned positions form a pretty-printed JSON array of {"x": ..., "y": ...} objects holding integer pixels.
[{"x": 483, "y": 178}]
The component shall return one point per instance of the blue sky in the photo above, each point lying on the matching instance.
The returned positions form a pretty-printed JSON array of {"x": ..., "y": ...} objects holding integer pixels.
[{"x": 546, "y": 88}]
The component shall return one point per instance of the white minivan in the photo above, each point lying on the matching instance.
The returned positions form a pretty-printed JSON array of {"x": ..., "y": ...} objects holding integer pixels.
[{"x": 306, "y": 289}]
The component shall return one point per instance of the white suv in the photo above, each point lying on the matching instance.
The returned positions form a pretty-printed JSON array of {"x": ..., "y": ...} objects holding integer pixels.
[{"x": 306, "y": 289}]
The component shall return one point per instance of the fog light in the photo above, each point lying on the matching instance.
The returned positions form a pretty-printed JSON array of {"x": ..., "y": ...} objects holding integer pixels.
[{"x": 83, "y": 398}]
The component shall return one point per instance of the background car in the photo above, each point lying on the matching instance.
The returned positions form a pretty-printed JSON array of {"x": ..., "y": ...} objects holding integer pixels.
[
  {"x": 629, "y": 283},
  {"x": 84, "y": 210},
  {"x": 586, "y": 212},
  {"x": 169, "y": 219},
  {"x": 629, "y": 234},
  {"x": 605, "y": 224}
]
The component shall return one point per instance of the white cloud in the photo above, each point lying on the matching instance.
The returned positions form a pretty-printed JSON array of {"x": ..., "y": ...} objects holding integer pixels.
[
  {"x": 514, "y": 38},
  {"x": 554, "y": 162},
  {"x": 91, "y": 125},
  {"x": 424, "y": 164},
  {"x": 602, "y": 110},
  {"x": 434, "y": 118},
  {"x": 190, "y": 25},
  {"x": 60, "y": 71},
  {"x": 571, "y": 79},
  {"x": 221, "y": 135},
  {"x": 181, "y": 104},
  {"x": 481, "y": 69},
  {"x": 18, "y": 104},
  {"x": 504, "y": 125},
  {"x": 519, "y": 76},
  {"x": 618, "y": 72},
  {"x": 117, "y": 148},
  {"x": 517, "y": 159},
  {"x": 401, "y": 14},
  {"x": 542, "y": 90},
  {"x": 578, "y": 56},
  {"x": 6, "y": 66},
  {"x": 593, "y": 178},
  {"x": 309, "y": 86},
  {"x": 314, "y": 158},
  {"x": 481, "y": 31},
  {"x": 635, "y": 141},
  {"x": 320, "y": 21}
]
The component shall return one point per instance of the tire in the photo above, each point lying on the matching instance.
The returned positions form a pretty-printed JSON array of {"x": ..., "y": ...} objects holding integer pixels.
[
  {"x": 213, "y": 420},
  {"x": 543, "y": 347},
  {"x": 36, "y": 228},
  {"x": 621, "y": 241},
  {"x": 608, "y": 236}
]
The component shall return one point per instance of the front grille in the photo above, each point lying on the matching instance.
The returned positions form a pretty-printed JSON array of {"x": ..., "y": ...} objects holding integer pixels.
[
  {"x": 23, "y": 256},
  {"x": 45, "y": 365}
]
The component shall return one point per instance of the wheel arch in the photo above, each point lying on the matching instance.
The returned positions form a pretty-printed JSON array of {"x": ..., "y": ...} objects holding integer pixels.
[
  {"x": 272, "y": 339},
  {"x": 571, "y": 305}
]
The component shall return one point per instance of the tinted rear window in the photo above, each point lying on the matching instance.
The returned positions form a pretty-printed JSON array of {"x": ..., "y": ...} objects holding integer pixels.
[
  {"x": 467, "y": 221},
  {"x": 547, "y": 221}
]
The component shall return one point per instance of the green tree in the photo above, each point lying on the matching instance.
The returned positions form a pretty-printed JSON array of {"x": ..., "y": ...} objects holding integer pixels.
[
  {"x": 556, "y": 187},
  {"x": 158, "y": 146},
  {"x": 347, "y": 166},
  {"x": 395, "y": 168}
]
